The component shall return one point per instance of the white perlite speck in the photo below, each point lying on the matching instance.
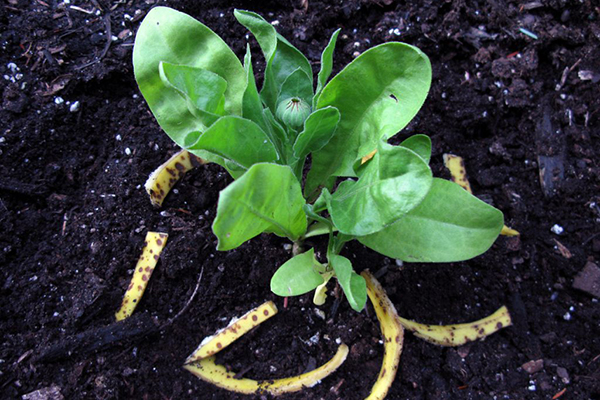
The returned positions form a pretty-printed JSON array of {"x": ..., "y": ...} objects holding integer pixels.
[{"x": 557, "y": 229}]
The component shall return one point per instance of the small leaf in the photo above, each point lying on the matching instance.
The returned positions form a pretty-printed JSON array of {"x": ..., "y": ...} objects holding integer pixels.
[
  {"x": 176, "y": 38},
  {"x": 326, "y": 65},
  {"x": 394, "y": 182},
  {"x": 282, "y": 58},
  {"x": 319, "y": 127},
  {"x": 267, "y": 197},
  {"x": 297, "y": 84},
  {"x": 354, "y": 285},
  {"x": 252, "y": 108},
  {"x": 449, "y": 225},
  {"x": 238, "y": 140},
  {"x": 297, "y": 275},
  {"x": 377, "y": 94},
  {"x": 420, "y": 144}
]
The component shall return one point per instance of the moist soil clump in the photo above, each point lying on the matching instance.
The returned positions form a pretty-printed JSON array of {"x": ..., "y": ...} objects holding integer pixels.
[{"x": 514, "y": 92}]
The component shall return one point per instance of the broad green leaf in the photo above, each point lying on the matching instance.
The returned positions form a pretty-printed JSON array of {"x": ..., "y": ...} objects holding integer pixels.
[
  {"x": 377, "y": 94},
  {"x": 281, "y": 57},
  {"x": 394, "y": 182},
  {"x": 252, "y": 108},
  {"x": 279, "y": 134},
  {"x": 297, "y": 275},
  {"x": 354, "y": 285},
  {"x": 176, "y": 38},
  {"x": 266, "y": 198},
  {"x": 297, "y": 84},
  {"x": 326, "y": 65},
  {"x": 449, "y": 225},
  {"x": 420, "y": 144},
  {"x": 238, "y": 140},
  {"x": 205, "y": 89},
  {"x": 319, "y": 127}
]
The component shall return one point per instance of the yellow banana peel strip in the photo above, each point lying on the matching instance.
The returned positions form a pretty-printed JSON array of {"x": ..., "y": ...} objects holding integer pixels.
[
  {"x": 237, "y": 327},
  {"x": 153, "y": 246},
  {"x": 208, "y": 371},
  {"x": 458, "y": 174},
  {"x": 460, "y": 334},
  {"x": 164, "y": 177},
  {"x": 393, "y": 336},
  {"x": 202, "y": 362}
]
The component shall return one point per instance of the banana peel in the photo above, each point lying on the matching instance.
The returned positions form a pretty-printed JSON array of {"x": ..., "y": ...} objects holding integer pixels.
[
  {"x": 202, "y": 362},
  {"x": 232, "y": 332},
  {"x": 164, "y": 177},
  {"x": 153, "y": 246},
  {"x": 459, "y": 334},
  {"x": 207, "y": 370},
  {"x": 393, "y": 336},
  {"x": 458, "y": 174}
]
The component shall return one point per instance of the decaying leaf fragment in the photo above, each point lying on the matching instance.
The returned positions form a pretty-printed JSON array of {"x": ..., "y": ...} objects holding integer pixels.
[
  {"x": 458, "y": 173},
  {"x": 202, "y": 362},
  {"x": 393, "y": 336},
  {"x": 153, "y": 246},
  {"x": 460, "y": 334},
  {"x": 164, "y": 177}
]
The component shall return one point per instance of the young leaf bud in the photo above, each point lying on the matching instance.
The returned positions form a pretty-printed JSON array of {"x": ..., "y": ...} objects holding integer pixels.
[{"x": 293, "y": 112}]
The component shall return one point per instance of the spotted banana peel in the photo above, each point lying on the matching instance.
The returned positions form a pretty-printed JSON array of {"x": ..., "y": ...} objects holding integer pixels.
[
  {"x": 153, "y": 246},
  {"x": 165, "y": 176},
  {"x": 393, "y": 336},
  {"x": 459, "y": 334},
  {"x": 458, "y": 174},
  {"x": 202, "y": 362}
]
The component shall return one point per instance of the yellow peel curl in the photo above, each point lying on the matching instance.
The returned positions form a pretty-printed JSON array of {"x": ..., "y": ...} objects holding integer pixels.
[
  {"x": 164, "y": 177},
  {"x": 232, "y": 332},
  {"x": 458, "y": 174},
  {"x": 393, "y": 336},
  {"x": 153, "y": 246},
  {"x": 460, "y": 334},
  {"x": 208, "y": 371}
]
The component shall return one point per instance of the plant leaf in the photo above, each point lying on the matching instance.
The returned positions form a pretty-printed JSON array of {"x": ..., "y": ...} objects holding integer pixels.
[
  {"x": 449, "y": 225},
  {"x": 236, "y": 139},
  {"x": 420, "y": 144},
  {"x": 297, "y": 84},
  {"x": 205, "y": 104},
  {"x": 297, "y": 275},
  {"x": 281, "y": 57},
  {"x": 266, "y": 198},
  {"x": 393, "y": 182},
  {"x": 326, "y": 65},
  {"x": 377, "y": 94},
  {"x": 252, "y": 108},
  {"x": 319, "y": 127},
  {"x": 354, "y": 285},
  {"x": 176, "y": 38}
]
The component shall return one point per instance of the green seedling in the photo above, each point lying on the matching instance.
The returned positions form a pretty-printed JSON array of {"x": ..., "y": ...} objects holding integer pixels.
[{"x": 209, "y": 104}]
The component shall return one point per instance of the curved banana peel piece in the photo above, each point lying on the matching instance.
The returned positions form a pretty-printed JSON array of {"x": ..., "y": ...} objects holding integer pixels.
[
  {"x": 164, "y": 177},
  {"x": 460, "y": 334},
  {"x": 208, "y": 371},
  {"x": 232, "y": 332},
  {"x": 393, "y": 336},
  {"x": 458, "y": 174},
  {"x": 202, "y": 362},
  {"x": 153, "y": 246}
]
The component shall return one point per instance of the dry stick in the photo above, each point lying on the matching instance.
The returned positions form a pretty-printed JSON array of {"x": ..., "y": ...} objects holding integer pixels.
[{"x": 187, "y": 304}]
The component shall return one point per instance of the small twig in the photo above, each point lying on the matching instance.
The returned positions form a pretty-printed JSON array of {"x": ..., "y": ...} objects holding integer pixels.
[
  {"x": 108, "y": 36},
  {"x": 187, "y": 304}
]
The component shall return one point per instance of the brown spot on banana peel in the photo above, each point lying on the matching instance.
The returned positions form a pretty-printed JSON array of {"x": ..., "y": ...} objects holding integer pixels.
[
  {"x": 458, "y": 174},
  {"x": 142, "y": 273},
  {"x": 207, "y": 370},
  {"x": 166, "y": 175},
  {"x": 233, "y": 331},
  {"x": 460, "y": 334},
  {"x": 390, "y": 327}
]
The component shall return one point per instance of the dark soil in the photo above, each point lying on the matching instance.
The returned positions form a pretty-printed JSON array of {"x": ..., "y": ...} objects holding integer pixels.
[{"x": 73, "y": 212}]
